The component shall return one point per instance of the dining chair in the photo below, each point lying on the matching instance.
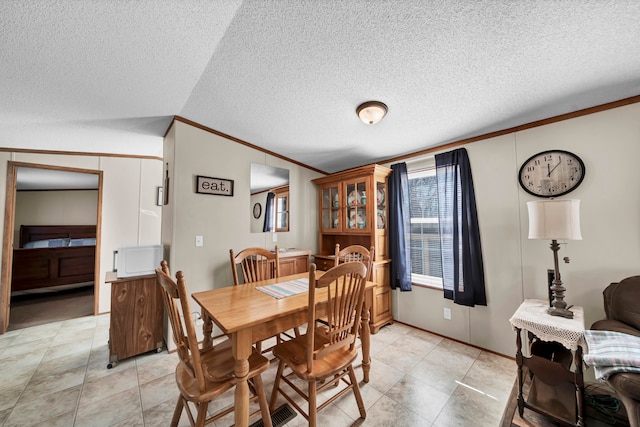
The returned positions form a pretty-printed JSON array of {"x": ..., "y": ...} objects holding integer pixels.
[
  {"x": 255, "y": 264},
  {"x": 324, "y": 355},
  {"x": 356, "y": 253},
  {"x": 204, "y": 374},
  {"x": 258, "y": 264}
]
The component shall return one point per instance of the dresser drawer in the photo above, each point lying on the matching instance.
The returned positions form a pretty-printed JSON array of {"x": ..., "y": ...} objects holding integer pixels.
[{"x": 324, "y": 262}]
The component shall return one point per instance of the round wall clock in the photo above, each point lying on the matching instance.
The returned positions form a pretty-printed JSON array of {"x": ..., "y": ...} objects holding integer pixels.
[
  {"x": 551, "y": 173},
  {"x": 257, "y": 210}
]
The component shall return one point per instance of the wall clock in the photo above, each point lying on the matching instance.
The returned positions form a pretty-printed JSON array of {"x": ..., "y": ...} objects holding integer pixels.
[
  {"x": 551, "y": 173},
  {"x": 257, "y": 210}
]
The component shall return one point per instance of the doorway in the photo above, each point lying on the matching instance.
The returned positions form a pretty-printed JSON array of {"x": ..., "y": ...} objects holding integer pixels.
[{"x": 72, "y": 179}]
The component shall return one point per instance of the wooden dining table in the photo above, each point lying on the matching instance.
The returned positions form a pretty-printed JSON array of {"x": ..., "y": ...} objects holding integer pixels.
[{"x": 247, "y": 315}]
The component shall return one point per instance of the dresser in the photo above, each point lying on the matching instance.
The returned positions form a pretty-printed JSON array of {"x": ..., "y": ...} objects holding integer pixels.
[
  {"x": 137, "y": 317},
  {"x": 293, "y": 261}
]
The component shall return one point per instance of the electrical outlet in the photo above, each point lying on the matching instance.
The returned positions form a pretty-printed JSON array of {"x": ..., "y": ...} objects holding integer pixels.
[
  {"x": 275, "y": 237},
  {"x": 447, "y": 313},
  {"x": 199, "y": 241}
]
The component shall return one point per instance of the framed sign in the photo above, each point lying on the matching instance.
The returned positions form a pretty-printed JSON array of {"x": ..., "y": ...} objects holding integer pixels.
[{"x": 215, "y": 186}]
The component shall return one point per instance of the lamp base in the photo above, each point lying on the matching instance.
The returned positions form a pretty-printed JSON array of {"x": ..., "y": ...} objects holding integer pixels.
[{"x": 563, "y": 312}]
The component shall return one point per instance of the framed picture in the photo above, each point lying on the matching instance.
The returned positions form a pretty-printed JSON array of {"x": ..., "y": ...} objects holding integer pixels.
[
  {"x": 215, "y": 186},
  {"x": 165, "y": 188}
]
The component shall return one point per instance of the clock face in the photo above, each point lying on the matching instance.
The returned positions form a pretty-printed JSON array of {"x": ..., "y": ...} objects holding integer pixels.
[
  {"x": 551, "y": 173},
  {"x": 257, "y": 210}
]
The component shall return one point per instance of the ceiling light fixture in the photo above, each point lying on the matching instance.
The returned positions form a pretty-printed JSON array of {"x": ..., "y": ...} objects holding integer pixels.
[{"x": 371, "y": 112}]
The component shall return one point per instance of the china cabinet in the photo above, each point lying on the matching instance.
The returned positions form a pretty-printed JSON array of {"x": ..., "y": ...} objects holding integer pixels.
[{"x": 353, "y": 211}]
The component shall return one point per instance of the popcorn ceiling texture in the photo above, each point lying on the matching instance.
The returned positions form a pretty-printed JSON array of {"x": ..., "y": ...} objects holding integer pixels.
[{"x": 108, "y": 76}]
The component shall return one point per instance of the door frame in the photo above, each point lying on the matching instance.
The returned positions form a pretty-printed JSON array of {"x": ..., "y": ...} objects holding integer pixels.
[{"x": 8, "y": 235}]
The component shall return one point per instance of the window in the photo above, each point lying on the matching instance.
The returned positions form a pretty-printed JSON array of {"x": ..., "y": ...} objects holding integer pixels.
[
  {"x": 276, "y": 217},
  {"x": 282, "y": 210},
  {"x": 426, "y": 260}
]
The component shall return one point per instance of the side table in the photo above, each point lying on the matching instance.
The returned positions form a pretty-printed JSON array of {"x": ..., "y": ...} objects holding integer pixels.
[
  {"x": 136, "y": 321},
  {"x": 546, "y": 373}
]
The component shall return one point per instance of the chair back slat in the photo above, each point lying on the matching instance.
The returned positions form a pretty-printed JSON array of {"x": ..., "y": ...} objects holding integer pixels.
[
  {"x": 256, "y": 264},
  {"x": 356, "y": 253},
  {"x": 184, "y": 333},
  {"x": 344, "y": 286}
]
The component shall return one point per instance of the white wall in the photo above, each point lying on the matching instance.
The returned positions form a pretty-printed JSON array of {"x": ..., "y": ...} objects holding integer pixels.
[
  {"x": 515, "y": 267},
  {"x": 129, "y": 213},
  {"x": 223, "y": 221}
]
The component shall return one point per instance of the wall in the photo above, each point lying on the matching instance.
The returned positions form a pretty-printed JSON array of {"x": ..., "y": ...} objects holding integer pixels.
[
  {"x": 129, "y": 213},
  {"x": 224, "y": 222},
  {"x": 78, "y": 207},
  {"x": 515, "y": 267}
]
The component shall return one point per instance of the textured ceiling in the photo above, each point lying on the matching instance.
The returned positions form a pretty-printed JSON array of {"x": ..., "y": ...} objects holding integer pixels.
[{"x": 108, "y": 76}]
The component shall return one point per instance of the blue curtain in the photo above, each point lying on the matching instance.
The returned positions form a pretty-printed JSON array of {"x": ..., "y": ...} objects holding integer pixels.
[
  {"x": 462, "y": 266},
  {"x": 269, "y": 209},
  {"x": 399, "y": 227}
]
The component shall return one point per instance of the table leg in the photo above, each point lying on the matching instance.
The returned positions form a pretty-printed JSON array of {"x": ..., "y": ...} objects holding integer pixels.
[
  {"x": 579, "y": 385},
  {"x": 365, "y": 337},
  {"x": 241, "y": 351},
  {"x": 519, "y": 362}
]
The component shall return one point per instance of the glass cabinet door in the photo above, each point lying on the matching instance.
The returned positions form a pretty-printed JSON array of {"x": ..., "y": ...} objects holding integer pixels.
[
  {"x": 331, "y": 208},
  {"x": 381, "y": 205},
  {"x": 356, "y": 205}
]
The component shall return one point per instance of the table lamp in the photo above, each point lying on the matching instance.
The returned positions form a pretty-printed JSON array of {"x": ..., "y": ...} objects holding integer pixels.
[{"x": 555, "y": 220}]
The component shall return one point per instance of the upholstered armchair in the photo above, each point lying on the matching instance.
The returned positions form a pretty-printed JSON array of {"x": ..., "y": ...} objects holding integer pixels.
[{"x": 622, "y": 309}]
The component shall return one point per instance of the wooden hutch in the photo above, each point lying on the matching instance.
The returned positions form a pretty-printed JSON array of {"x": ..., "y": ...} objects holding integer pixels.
[{"x": 353, "y": 211}]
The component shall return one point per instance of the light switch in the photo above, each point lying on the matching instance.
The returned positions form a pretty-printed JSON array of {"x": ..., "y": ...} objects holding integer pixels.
[
  {"x": 199, "y": 241},
  {"x": 275, "y": 237}
]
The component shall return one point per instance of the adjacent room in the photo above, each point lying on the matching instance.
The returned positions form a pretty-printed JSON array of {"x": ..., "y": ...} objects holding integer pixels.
[{"x": 416, "y": 213}]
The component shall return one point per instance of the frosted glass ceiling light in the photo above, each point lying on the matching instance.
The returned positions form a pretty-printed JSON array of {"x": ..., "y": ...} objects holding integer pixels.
[{"x": 371, "y": 112}]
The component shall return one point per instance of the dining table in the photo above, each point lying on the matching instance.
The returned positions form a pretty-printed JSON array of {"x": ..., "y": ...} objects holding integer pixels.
[{"x": 247, "y": 315}]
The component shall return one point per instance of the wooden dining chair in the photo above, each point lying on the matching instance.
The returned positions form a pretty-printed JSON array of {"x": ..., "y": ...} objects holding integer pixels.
[
  {"x": 255, "y": 264},
  {"x": 356, "y": 253},
  {"x": 204, "y": 374},
  {"x": 326, "y": 351},
  {"x": 258, "y": 264}
]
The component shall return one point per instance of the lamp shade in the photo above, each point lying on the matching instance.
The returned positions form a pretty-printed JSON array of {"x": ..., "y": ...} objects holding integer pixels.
[
  {"x": 554, "y": 219},
  {"x": 371, "y": 112}
]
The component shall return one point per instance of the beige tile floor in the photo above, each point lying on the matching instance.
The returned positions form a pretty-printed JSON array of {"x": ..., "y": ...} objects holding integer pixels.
[{"x": 56, "y": 375}]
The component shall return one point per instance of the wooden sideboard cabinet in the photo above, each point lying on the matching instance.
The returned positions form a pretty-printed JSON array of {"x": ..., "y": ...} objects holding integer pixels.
[
  {"x": 137, "y": 311},
  {"x": 353, "y": 211},
  {"x": 293, "y": 261}
]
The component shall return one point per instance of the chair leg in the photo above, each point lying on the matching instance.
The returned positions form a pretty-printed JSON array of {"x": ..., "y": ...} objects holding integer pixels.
[
  {"x": 313, "y": 411},
  {"x": 276, "y": 385},
  {"x": 202, "y": 414},
  {"x": 177, "y": 412},
  {"x": 262, "y": 400},
  {"x": 356, "y": 392}
]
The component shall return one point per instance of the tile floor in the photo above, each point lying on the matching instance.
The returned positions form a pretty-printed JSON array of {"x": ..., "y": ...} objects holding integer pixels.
[{"x": 56, "y": 375}]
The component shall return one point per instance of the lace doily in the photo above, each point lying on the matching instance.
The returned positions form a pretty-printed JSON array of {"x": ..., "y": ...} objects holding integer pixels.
[{"x": 532, "y": 315}]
